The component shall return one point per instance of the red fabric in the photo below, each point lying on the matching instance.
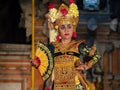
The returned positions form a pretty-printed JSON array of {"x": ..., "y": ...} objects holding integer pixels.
[
  {"x": 71, "y": 1},
  {"x": 51, "y": 5},
  {"x": 37, "y": 61},
  {"x": 47, "y": 88}
]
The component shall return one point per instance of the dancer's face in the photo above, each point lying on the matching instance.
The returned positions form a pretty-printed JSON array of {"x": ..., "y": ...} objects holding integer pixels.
[{"x": 66, "y": 31}]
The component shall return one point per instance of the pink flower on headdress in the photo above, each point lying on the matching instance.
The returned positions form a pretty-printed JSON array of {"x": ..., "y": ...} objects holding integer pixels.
[
  {"x": 64, "y": 11},
  {"x": 71, "y": 1},
  {"x": 51, "y": 5}
]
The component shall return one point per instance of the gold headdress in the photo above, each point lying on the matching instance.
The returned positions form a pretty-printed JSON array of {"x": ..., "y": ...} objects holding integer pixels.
[{"x": 64, "y": 14}]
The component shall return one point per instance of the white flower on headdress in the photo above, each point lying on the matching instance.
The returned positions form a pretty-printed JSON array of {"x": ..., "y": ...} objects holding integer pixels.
[
  {"x": 52, "y": 14},
  {"x": 53, "y": 35}
]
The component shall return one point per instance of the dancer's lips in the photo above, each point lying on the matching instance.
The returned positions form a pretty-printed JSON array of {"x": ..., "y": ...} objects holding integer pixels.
[{"x": 66, "y": 34}]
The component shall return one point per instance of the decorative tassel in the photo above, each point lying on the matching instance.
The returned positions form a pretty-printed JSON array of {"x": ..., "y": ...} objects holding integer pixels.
[{"x": 74, "y": 34}]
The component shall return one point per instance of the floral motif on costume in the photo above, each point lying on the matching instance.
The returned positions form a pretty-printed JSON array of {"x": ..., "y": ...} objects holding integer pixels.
[
  {"x": 79, "y": 87},
  {"x": 96, "y": 57},
  {"x": 85, "y": 50}
]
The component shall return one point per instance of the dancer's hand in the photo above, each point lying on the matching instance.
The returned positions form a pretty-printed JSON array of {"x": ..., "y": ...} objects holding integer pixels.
[
  {"x": 92, "y": 51},
  {"x": 82, "y": 67},
  {"x": 35, "y": 62}
]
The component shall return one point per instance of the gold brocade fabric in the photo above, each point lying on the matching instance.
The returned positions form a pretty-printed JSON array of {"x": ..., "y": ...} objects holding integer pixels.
[
  {"x": 64, "y": 73},
  {"x": 65, "y": 76},
  {"x": 64, "y": 68}
]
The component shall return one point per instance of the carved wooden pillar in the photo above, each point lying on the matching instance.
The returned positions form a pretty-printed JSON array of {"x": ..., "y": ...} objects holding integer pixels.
[
  {"x": 119, "y": 60},
  {"x": 115, "y": 61},
  {"x": 106, "y": 68},
  {"x": 115, "y": 68},
  {"x": 106, "y": 63}
]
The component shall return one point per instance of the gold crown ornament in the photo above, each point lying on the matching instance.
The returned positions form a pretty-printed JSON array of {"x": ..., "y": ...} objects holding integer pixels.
[{"x": 64, "y": 14}]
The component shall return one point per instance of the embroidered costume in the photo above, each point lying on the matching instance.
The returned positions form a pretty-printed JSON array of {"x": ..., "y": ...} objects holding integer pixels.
[
  {"x": 66, "y": 59},
  {"x": 59, "y": 72}
]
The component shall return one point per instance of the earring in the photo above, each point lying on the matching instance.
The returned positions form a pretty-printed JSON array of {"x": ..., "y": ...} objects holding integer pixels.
[
  {"x": 74, "y": 34},
  {"x": 58, "y": 37}
]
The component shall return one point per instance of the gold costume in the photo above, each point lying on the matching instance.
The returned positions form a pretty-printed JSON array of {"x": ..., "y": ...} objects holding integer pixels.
[
  {"x": 59, "y": 63},
  {"x": 62, "y": 68},
  {"x": 65, "y": 75}
]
